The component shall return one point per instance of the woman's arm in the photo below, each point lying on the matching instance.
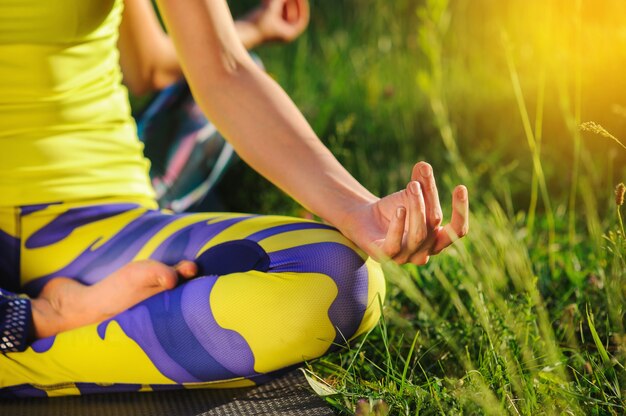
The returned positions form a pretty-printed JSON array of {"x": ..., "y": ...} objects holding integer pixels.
[
  {"x": 271, "y": 135},
  {"x": 148, "y": 57}
]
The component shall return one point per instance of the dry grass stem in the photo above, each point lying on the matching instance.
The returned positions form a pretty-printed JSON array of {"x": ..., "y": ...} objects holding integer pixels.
[
  {"x": 593, "y": 127},
  {"x": 620, "y": 190}
]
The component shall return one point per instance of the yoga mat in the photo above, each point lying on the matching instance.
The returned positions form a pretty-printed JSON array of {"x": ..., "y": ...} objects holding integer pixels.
[{"x": 287, "y": 395}]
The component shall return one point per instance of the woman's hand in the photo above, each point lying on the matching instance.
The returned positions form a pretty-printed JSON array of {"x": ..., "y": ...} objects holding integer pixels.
[
  {"x": 281, "y": 20},
  {"x": 406, "y": 226}
]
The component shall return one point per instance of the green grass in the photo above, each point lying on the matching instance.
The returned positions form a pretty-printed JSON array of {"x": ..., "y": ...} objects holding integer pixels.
[{"x": 525, "y": 316}]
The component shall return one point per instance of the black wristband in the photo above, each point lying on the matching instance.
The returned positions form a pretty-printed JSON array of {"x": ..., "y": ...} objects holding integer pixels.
[{"x": 16, "y": 322}]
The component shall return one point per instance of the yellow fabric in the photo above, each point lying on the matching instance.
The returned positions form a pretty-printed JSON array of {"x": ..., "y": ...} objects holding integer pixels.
[
  {"x": 115, "y": 354},
  {"x": 65, "y": 126},
  {"x": 281, "y": 317}
]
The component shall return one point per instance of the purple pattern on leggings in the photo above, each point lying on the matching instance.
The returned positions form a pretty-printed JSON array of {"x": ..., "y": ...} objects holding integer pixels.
[
  {"x": 177, "y": 330},
  {"x": 9, "y": 262},
  {"x": 226, "y": 346},
  {"x": 137, "y": 324},
  {"x": 43, "y": 344},
  {"x": 185, "y": 243},
  {"x": 344, "y": 266},
  {"x": 93, "y": 264},
  {"x": 22, "y": 391},
  {"x": 279, "y": 229},
  {"x": 92, "y": 388},
  {"x": 30, "y": 209},
  {"x": 63, "y": 225}
]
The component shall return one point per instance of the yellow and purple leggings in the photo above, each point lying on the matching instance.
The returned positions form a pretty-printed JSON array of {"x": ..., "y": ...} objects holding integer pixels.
[{"x": 273, "y": 292}]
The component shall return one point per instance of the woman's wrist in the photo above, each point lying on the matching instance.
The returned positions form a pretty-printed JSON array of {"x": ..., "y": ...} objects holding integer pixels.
[
  {"x": 346, "y": 218},
  {"x": 249, "y": 33}
]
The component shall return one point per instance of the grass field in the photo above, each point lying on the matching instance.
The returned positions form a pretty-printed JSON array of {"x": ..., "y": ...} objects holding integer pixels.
[{"x": 525, "y": 316}]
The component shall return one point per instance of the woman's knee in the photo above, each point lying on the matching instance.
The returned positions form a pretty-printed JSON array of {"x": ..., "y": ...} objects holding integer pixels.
[{"x": 359, "y": 283}]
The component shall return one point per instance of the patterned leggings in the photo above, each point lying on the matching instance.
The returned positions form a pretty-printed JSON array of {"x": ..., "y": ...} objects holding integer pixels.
[{"x": 272, "y": 292}]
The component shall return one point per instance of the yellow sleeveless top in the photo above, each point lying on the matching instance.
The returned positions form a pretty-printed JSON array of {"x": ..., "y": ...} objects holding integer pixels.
[{"x": 65, "y": 127}]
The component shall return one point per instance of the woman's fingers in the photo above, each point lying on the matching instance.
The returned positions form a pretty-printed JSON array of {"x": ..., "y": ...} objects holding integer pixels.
[
  {"x": 293, "y": 18},
  {"x": 296, "y": 12},
  {"x": 407, "y": 229},
  {"x": 423, "y": 173},
  {"x": 417, "y": 231},
  {"x": 414, "y": 232},
  {"x": 290, "y": 11},
  {"x": 420, "y": 258},
  {"x": 459, "y": 224},
  {"x": 393, "y": 240}
]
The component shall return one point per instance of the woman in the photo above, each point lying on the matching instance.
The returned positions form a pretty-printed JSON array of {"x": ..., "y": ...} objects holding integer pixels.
[{"x": 270, "y": 292}]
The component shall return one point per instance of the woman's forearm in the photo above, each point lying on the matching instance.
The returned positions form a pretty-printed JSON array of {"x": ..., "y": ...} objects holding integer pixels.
[
  {"x": 249, "y": 33},
  {"x": 147, "y": 55},
  {"x": 271, "y": 134}
]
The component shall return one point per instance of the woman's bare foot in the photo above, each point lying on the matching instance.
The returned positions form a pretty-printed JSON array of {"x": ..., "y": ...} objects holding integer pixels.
[{"x": 64, "y": 304}]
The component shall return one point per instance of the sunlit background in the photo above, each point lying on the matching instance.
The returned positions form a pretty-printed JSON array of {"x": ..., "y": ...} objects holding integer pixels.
[{"x": 364, "y": 71}]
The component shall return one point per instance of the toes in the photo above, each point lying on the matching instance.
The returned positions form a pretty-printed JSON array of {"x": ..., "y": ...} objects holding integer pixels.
[
  {"x": 167, "y": 278},
  {"x": 186, "y": 269},
  {"x": 148, "y": 277}
]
